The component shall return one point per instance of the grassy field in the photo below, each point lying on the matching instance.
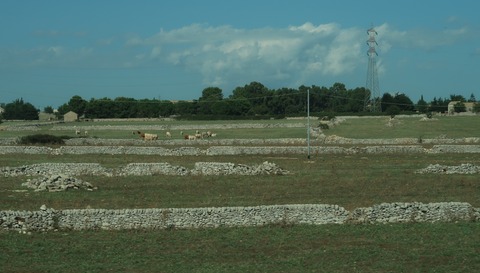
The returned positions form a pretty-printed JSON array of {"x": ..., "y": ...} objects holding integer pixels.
[
  {"x": 440, "y": 126},
  {"x": 359, "y": 128},
  {"x": 331, "y": 248},
  {"x": 411, "y": 127},
  {"x": 350, "y": 181}
]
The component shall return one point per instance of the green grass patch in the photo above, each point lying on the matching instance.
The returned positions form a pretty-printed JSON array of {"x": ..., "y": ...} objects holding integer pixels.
[
  {"x": 350, "y": 181},
  {"x": 441, "y": 247},
  {"x": 409, "y": 127}
]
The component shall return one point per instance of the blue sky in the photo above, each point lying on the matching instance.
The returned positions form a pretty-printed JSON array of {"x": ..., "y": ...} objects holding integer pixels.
[{"x": 52, "y": 50}]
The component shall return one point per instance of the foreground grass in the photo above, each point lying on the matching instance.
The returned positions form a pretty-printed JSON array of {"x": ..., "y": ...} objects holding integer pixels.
[
  {"x": 329, "y": 248},
  {"x": 350, "y": 181}
]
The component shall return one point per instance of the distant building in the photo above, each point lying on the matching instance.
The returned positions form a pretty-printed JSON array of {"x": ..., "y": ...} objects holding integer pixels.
[
  {"x": 468, "y": 107},
  {"x": 70, "y": 116}
]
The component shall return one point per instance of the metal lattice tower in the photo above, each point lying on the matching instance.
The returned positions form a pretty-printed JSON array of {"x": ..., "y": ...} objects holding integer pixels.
[{"x": 372, "y": 99}]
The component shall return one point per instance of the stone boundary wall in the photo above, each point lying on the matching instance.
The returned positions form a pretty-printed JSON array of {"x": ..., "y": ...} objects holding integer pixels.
[
  {"x": 143, "y": 127},
  {"x": 315, "y": 141},
  {"x": 239, "y": 150},
  {"x": 47, "y": 219}
]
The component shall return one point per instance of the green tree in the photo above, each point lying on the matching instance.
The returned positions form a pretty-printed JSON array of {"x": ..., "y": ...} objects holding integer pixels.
[
  {"x": 21, "y": 110},
  {"x": 387, "y": 101},
  {"x": 285, "y": 101},
  {"x": 237, "y": 107},
  {"x": 186, "y": 108},
  {"x": 338, "y": 97},
  {"x": 319, "y": 98},
  {"x": 454, "y": 97},
  {"x": 256, "y": 94},
  {"x": 77, "y": 105},
  {"x": 356, "y": 98},
  {"x": 472, "y": 98},
  {"x": 459, "y": 107},
  {"x": 393, "y": 110},
  {"x": 476, "y": 107},
  {"x": 422, "y": 105},
  {"x": 210, "y": 95},
  {"x": 403, "y": 102},
  {"x": 125, "y": 108},
  {"x": 48, "y": 109},
  {"x": 99, "y": 108},
  {"x": 166, "y": 108}
]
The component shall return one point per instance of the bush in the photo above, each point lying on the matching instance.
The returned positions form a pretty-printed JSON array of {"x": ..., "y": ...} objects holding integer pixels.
[
  {"x": 393, "y": 110},
  {"x": 323, "y": 126},
  {"x": 43, "y": 139}
]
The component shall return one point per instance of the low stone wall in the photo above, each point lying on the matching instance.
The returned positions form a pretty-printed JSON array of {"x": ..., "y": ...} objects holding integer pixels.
[
  {"x": 416, "y": 212},
  {"x": 47, "y": 219},
  {"x": 314, "y": 141},
  {"x": 239, "y": 150}
]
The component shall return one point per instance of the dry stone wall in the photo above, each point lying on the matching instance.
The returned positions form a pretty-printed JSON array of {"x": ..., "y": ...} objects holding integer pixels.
[
  {"x": 239, "y": 150},
  {"x": 48, "y": 219}
]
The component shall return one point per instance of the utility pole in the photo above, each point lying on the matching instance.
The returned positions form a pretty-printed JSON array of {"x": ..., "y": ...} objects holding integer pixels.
[{"x": 308, "y": 122}]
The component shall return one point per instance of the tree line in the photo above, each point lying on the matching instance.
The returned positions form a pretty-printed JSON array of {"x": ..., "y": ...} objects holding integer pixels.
[{"x": 253, "y": 100}]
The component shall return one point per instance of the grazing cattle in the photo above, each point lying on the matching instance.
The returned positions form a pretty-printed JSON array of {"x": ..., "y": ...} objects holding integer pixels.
[
  {"x": 77, "y": 132},
  {"x": 86, "y": 133},
  {"x": 168, "y": 134},
  {"x": 191, "y": 137},
  {"x": 147, "y": 136}
]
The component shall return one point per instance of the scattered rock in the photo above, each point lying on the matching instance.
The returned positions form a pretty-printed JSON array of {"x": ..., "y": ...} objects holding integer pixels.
[{"x": 56, "y": 183}]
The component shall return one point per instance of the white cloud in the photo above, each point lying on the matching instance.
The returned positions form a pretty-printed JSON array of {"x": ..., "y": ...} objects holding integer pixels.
[
  {"x": 423, "y": 39},
  {"x": 226, "y": 55},
  {"x": 325, "y": 29},
  {"x": 55, "y": 50},
  {"x": 223, "y": 54}
]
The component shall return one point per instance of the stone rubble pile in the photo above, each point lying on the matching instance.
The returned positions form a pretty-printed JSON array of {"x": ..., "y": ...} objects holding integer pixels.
[
  {"x": 55, "y": 183},
  {"x": 137, "y": 169},
  {"x": 466, "y": 168},
  {"x": 215, "y": 168},
  {"x": 47, "y": 169}
]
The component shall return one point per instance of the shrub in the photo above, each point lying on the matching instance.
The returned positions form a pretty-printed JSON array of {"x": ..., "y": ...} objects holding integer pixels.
[
  {"x": 323, "y": 126},
  {"x": 393, "y": 110},
  {"x": 43, "y": 139}
]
